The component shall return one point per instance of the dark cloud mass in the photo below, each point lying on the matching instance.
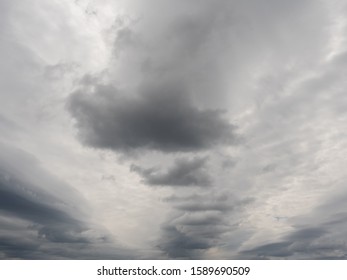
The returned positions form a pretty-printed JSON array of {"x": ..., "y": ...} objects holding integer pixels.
[
  {"x": 162, "y": 118},
  {"x": 184, "y": 172}
]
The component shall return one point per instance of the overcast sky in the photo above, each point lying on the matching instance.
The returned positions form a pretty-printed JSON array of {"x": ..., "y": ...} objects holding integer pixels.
[{"x": 163, "y": 129}]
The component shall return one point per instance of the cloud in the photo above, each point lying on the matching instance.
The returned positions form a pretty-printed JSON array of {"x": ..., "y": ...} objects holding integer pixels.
[
  {"x": 199, "y": 225},
  {"x": 306, "y": 243},
  {"x": 184, "y": 172},
  {"x": 162, "y": 119},
  {"x": 214, "y": 201},
  {"x": 41, "y": 217},
  {"x": 320, "y": 235},
  {"x": 33, "y": 210},
  {"x": 177, "y": 244},
  {"x": 171, "y": 85},
  {"x": 191, "y": 234}
]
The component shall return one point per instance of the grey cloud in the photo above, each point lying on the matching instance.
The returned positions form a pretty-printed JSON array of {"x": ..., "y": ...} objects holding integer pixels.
[
  {"x": 125, "y": 37},
  {"x": 163, "y": 119},
  {"x": 172, "y": 82},
  {"x": 319, "y": 235},
  {"x": 200, "y": 223},
  {"x": 278, "y": 249},
  {"x": 184, "y": 172},
  {"x": 59, "y": 70},
  {"x": 199, "y": 219},
  {"x": 204, "y": 206},
  {"x": 307, "y": 234},
  {"x": 307, "y": 243},
  {"x": 214, "y": 201},
  {"x": 170, "y": 78},
  {"x": 194, "y": 54},
  {"x": 222, "y": 204},
  {"x": 210, "y": 46},
  {"x": 177, "y": 244},
  {"x": 42, "y": 222},
  {"x": 16, "y": 248},
  {"x": 29, "y": 209},
  {"x": 191, "y": 235}
]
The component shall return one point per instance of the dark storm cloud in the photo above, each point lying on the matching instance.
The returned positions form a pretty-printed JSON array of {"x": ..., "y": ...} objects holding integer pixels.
[
  {"x": 162, "y": 118},
  {"x": 184, "y": 172},
  {"x": 44, "y": 221}
]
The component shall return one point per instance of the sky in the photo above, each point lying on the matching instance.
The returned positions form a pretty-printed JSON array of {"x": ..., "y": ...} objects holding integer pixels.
[{"x": 162, "y": 129}]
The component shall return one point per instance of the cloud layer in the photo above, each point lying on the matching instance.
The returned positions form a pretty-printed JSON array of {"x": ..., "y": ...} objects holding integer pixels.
[
  {"x": 38, "y": 222},
  {"x": 195, "y": 130}
]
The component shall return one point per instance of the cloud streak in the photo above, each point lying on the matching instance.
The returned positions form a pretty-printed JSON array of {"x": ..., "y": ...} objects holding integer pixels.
[{"x": 50, "y": 222}]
